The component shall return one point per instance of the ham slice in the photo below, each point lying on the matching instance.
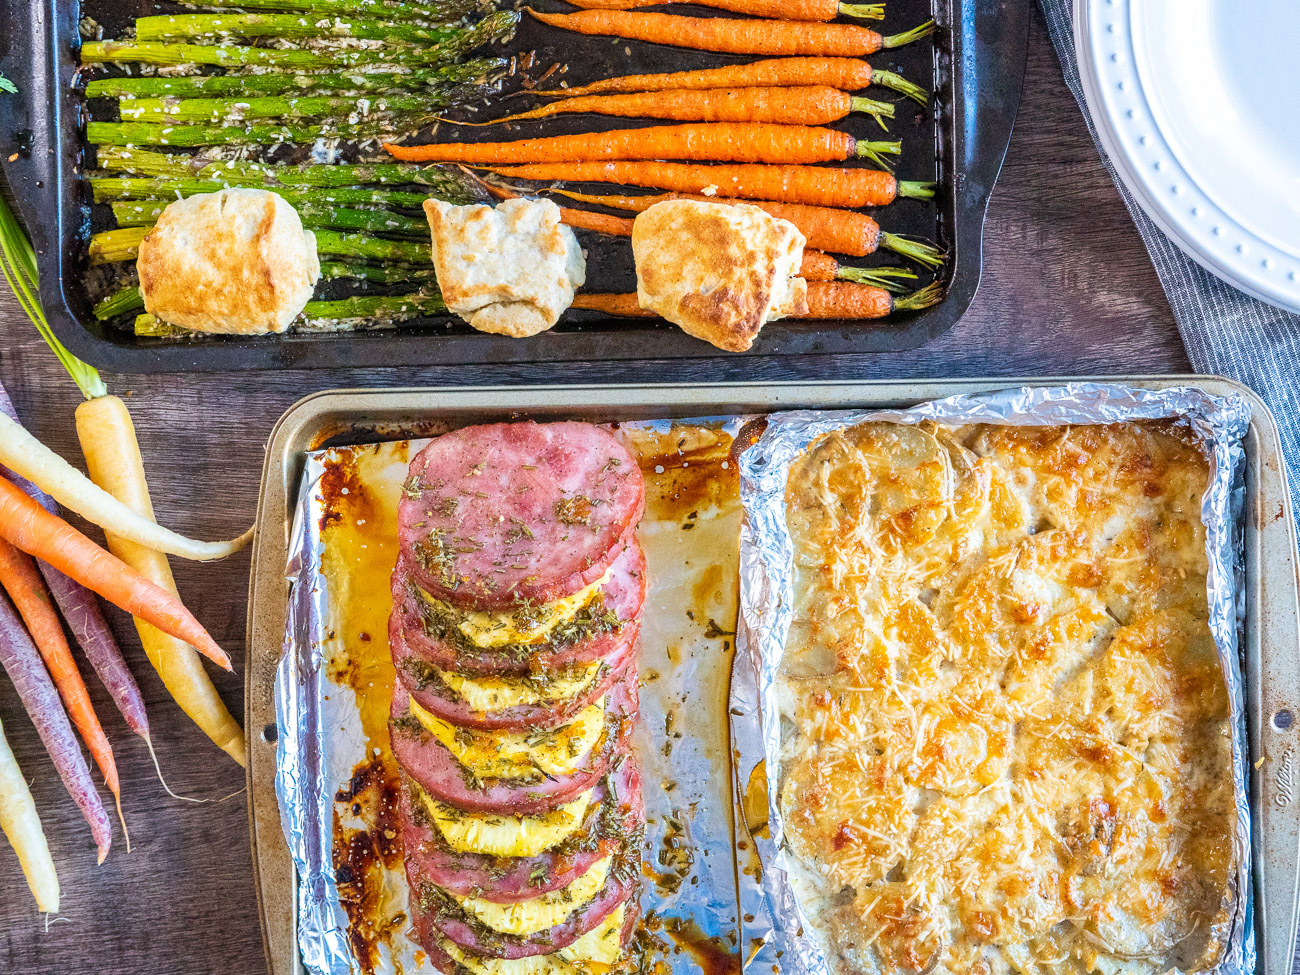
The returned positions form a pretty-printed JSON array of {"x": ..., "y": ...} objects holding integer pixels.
[
  {"x": 432, "y": 695},
  {"x": 427, "y": 935},
  {"x": 623, "y": 596},
  {"x": 449, "y": 921},
  {"x": 507, "y": 879},
  {"x": 496, "y": 515},
  {"x": 439, "y": 773}
]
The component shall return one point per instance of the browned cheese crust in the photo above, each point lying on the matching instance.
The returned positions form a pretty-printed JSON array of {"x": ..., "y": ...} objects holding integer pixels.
[
  {"x": 1008, "y": 738},
  {"x": 236, "y": 261},
  {"x": 718, "y": 271}
]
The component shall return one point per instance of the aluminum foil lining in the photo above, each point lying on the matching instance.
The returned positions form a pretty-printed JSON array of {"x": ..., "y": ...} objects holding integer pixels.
[
  {"x": 689, "y": 894},
  {"x": 780, "y": 933}
]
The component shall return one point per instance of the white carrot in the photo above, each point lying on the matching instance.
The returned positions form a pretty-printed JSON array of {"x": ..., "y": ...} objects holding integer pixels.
[
  {"x": 22, "y": 825},
  {"x": 28, "y": 457}
]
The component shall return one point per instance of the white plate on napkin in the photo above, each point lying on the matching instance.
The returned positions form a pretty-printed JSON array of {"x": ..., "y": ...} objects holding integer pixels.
[{"x": 1197, "y": 103}]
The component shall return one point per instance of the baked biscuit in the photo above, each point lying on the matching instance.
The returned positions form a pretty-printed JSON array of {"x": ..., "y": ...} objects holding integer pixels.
[
  {"x": 510, "y": 269},
  {"x": 718, "y": 270},
  {"x": 236, "y": 261}
]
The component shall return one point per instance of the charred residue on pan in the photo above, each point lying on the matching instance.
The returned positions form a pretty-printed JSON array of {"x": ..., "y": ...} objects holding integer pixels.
[
  {"x": 361, "y": 855},
  {"x": 712, "y": 954}
]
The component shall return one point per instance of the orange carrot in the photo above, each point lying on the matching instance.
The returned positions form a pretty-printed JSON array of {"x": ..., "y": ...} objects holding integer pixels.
[
  {"x": 826, "y": 299},
  {"x": 825, "y": 228},
  {"x": 602, "y": 223},
  {"x": 768, "y": 37},
  {"x": 843, "y": 299},
  {"x": 811, "y": 185},
  {"x": 805, "y": 105},
  {"x": 713, "y": 141},
  {"x": 776, "y": 9},
  {"x": 22, "y": 580},
  {"x": 29, "y": 527},
  {"x": 846, "y": 74},
  {"x": 624, "y": 306}
]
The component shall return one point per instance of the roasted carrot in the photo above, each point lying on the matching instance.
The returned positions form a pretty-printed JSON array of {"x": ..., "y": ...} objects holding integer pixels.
[
  {"x": 623, "y": 306},
  {"x": 838, "y": 231},
  {"x": 805, "y": 105},
  {"x": 22, "y": 581},
  {"x": 30, "y": 528},
  {"x": 113, "y": 460},
  {"x": 811, "y": 185},
  {"x": 820, "y": 266},
  {"x": 755, "y": 142},
  {"x": 768, "y": 37},
  {"x": 843, "y": 299},
  {"x": 846, "y": 74},
  {"x": 826, "y": 299},
  {"x": 776, "y": 9}
]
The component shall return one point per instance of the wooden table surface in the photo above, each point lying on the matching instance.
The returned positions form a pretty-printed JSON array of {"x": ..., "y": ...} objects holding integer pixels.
[{"x": 1067, "y": 289}]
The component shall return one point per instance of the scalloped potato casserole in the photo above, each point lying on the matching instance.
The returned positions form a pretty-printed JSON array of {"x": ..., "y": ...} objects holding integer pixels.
[{"x": 1006, "y": 735}]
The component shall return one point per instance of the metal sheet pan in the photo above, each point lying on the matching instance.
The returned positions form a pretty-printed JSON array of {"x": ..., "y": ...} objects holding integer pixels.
[
  {"x": 1272, "y": 631},
  {"x": 975, "y": 63}
]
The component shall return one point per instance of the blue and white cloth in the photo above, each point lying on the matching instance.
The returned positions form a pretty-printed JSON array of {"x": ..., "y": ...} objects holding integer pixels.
[{"x": 1226, "y": 332}]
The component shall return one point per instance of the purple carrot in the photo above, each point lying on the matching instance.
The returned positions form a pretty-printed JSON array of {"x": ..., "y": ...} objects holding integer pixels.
[
  {"x": 81, "y": 610},
  {"x": 25, "y": 668}
]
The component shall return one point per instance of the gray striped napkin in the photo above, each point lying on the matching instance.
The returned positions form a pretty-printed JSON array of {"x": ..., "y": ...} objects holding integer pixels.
[{"x": 1226, "y": 332}]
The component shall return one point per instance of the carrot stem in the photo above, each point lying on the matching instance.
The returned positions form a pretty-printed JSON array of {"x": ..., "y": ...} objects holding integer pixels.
[
  {"x": 877, "y": 151},
  {"x": 866, "y": 11},
  {"x": 908, "y": 36},
  {"x": 921, "y": 251},
  {"x": 896, "y": 82},
  {"x": 916, "y": 190},
  {"x": 870, "y": 106},
  {"x": 878, "y": 277},
  {"x": 927, "y": 297}
]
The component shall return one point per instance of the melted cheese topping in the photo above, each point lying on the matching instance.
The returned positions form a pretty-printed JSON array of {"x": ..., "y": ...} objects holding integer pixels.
[
  {"x": 492, "y": 834},
  {"x": 1007, "y": 741},
  {"x": 541, "y": 912},
  {"x": 497, "y": 693},
  {"x": 595, "y": 953},
  {"x": 499, "y": 628},
  {"x": 500, "y": 754}
]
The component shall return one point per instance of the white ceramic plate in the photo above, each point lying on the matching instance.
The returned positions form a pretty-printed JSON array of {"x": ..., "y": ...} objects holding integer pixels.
[{"x": 1197, "y": 102}]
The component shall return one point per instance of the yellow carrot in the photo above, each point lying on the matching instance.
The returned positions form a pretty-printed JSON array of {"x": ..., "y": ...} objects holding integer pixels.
[
  {"x": 22, "y": 825},
  {"x": 113, "y": 460}
]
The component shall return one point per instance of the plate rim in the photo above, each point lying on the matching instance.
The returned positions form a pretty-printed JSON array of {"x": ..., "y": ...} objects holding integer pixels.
[{"x": 1277, "y": 284}]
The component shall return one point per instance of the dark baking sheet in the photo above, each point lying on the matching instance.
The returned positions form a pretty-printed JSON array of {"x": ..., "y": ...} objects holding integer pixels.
[{"x": 975, "y": 63}]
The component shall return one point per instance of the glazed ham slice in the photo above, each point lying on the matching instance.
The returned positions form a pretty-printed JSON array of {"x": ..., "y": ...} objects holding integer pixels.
[
  {"x": 497, "y": 515},
  {"x": 443, "y": 917},
  {"x": 433, "y": 695},
  {"x": 439, "y": 773},
  {"x": 427, "y": 638},
  {"x": 427, "y": 934},
  {"x": 507, "y": 879}
]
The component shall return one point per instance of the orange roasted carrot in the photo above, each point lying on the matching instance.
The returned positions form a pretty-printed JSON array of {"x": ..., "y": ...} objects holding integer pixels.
[
  {"x": 844, "y": 299},
  {"x": 624, "y": 306},
  {"x": 767, "y": 37},
  {"x": 811, "y": 185},
  {"x": 29, "y": 527},
  {"x": 712, "y": 141},
  {"x": 776, "y": 9},
  {"x": 602, "y": 223},
  {"x": 825, "y": 228},
  {"x": 826, "y": 299},
  {"x": 22, "y": 580},
  {"x": 805, "y": 105},
  {"x": 846, "y": 74}
]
